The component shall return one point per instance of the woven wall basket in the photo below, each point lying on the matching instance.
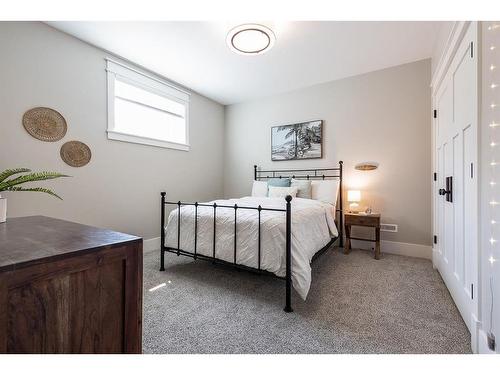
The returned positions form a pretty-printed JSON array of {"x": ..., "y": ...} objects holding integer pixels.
[
  {"x": 75, "y": 153},
  {"x": 45, "y": 124}
]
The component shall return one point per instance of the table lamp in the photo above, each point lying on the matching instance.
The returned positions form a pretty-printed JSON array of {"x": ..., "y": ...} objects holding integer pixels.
[{"x": 353, "y": 197}]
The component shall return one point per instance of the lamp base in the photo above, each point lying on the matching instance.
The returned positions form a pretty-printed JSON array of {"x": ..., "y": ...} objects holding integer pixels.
[{"x": 353, "y": 208}]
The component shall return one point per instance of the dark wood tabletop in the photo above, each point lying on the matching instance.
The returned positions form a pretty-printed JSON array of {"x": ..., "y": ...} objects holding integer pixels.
[{"x": 27, "y": 240}]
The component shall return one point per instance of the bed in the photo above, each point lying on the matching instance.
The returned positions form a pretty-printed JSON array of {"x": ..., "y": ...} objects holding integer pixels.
[{"x": 280, "y": 236}]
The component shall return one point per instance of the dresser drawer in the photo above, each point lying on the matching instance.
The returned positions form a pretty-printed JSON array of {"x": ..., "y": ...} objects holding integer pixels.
[{"x": 362, "y": 220}]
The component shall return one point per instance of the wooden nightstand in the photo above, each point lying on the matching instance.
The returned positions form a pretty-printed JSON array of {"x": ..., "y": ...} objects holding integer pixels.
[{"x": 363, "y": 220}]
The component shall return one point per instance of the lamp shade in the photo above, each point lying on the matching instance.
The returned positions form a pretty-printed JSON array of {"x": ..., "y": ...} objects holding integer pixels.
[{"x": 353, "y": 195}]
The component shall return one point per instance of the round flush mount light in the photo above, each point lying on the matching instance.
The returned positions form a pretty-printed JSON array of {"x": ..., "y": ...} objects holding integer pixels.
[{"x": 250, "y": 39}]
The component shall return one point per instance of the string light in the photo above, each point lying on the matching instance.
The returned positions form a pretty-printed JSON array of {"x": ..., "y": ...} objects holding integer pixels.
[{"x": 495, "y": 98}]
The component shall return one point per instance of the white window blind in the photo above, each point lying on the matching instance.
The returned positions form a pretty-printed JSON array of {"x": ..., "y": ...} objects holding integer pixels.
[{"x": 143, "y": 109}]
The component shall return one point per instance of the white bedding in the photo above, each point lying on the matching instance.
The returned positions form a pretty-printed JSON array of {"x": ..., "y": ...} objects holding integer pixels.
[{"x": 313, "y": 227}]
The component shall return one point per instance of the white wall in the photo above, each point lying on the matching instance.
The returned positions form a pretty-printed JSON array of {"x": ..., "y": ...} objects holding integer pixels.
[
  {"x": 382, "y": 116},
  {"x": 119, "y": 188}
]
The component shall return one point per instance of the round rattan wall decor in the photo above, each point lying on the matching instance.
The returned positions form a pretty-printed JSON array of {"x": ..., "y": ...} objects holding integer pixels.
[
  {"x": 75, "y": 153},
  {"x": 45, "y": 124}
]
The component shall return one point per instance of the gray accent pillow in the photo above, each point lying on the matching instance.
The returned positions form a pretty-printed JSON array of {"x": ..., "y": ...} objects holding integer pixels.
[{"x": 304, "y": 189}]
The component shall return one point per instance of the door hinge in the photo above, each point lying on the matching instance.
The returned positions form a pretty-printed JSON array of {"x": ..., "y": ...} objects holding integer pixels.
[
  {"x": 472, "y": 291},
  {"x": 435, "y": 239},
  {"x": 435, "y": 176},
  {"x": 471, "y": 50},
  {"x": 435, "y": 113}
]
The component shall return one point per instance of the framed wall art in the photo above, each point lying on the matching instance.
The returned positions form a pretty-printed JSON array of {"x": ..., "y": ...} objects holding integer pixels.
[{"x": 302, "y": 140}]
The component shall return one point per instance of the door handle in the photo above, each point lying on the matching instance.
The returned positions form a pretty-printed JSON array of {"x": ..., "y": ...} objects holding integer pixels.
[
  {"x": 449, "y": 189},
  {"x": 448, "y": 192}
]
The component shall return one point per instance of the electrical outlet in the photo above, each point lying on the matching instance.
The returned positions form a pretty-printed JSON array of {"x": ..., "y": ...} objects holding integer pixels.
[
  {"x": 389, "y": 227},
  {"x": 491, "y": 341}
]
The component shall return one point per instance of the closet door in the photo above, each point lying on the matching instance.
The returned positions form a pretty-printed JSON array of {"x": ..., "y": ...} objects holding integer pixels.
[{"x": 456, "y": 156}]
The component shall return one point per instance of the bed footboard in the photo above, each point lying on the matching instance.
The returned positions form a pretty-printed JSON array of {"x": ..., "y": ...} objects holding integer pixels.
[{"x": 288, "y": 239}]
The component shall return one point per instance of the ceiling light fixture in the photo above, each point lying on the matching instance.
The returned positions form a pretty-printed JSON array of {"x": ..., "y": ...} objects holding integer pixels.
[{"x": 250, "y": 39}]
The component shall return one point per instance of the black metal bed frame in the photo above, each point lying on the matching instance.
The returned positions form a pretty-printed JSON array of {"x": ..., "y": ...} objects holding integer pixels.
[{"x": 309, "y": 174}]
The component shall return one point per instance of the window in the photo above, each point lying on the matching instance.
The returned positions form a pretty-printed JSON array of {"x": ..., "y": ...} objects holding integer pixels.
[{"x": 146, "y": 110}]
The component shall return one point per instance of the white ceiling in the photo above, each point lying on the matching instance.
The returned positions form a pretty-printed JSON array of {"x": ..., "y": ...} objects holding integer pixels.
[{"x": 195, "y": 54}]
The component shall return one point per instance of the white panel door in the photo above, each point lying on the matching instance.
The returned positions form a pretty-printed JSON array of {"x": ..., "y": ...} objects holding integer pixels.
[{"x": 456, "y": 155}]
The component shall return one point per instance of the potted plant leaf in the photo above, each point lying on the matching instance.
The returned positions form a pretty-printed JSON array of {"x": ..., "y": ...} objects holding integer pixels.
[{"x": 10, "y": 182}]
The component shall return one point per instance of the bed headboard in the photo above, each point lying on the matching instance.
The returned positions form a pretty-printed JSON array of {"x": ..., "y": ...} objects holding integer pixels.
[{"x": 308, "y": 174}]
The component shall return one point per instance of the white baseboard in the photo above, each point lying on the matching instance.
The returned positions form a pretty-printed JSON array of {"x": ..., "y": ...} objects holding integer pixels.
[
  {"x": 434, "y": 257},
  {"x": 399, "y": 248},
  {"x": 390, "y": 247},
  {"x": 151, "y": 245}
]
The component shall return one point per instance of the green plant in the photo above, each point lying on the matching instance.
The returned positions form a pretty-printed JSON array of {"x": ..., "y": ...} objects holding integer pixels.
[{"x": 10, "y": 183}]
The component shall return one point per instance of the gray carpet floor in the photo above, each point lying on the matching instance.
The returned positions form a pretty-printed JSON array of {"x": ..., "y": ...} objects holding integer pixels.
[{"x": 355, "y": 305}]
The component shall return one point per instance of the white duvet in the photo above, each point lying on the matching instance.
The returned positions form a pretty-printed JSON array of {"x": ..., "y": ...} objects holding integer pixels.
[{"x": 313, "y": 227}]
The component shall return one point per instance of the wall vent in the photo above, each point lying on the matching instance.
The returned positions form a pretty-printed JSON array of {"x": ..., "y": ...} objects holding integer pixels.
[{"x": 389, "y": 227}]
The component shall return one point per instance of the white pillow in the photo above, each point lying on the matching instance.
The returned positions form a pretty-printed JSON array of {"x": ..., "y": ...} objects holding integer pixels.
[
  {"x": 259, "y": 189},
  {"x": 325, "y": 190},
  {"x": 303, "y": 188},
  {"x": 281, "y": 192}
]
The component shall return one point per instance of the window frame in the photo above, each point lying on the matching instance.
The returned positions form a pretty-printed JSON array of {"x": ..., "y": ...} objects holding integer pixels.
[{"x": 131, "y": 76}]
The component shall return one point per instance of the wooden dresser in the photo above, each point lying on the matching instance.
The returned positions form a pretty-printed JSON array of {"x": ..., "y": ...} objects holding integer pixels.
[{"x": 69, "y": 288}]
